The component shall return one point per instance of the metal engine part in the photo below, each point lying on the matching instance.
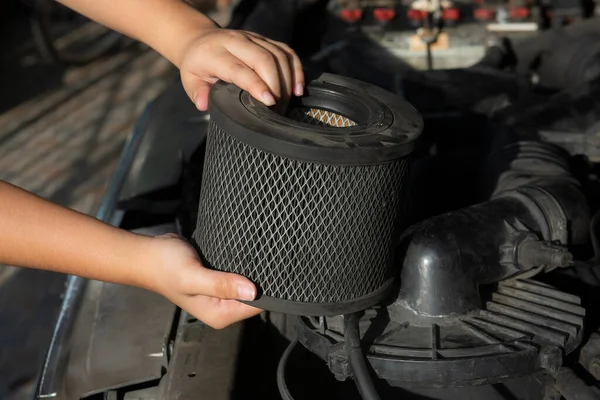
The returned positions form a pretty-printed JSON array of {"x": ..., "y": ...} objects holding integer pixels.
[
  {"x": 465, "y": 313},
  {"x": 525, "y": 328}
]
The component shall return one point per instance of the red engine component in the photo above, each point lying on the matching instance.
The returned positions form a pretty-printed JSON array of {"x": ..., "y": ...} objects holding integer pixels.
[
  {"x": 484, "y": 14},
  {"x": 451, "y": 14},
  {"x": 384, "y": 14},
  {"x": 519, "y": 13},
  {"x": 416, "y": 15},
  {"x": 351, "y": 14}
]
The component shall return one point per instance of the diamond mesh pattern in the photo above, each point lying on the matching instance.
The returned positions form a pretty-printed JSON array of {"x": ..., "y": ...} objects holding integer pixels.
[
  {"x": 316, "y": 116},
  {"x": 303, "y": 232}
]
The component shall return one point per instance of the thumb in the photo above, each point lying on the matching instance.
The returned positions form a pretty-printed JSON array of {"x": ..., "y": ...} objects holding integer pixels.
[
  {"x": 223, "y": 285},
  {"x": 201, "y": 96},
  {"x": 197, "y": 89}
]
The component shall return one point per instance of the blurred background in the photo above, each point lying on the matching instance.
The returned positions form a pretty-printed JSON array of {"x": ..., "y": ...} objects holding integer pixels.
[{"x": 70, "y": 93}]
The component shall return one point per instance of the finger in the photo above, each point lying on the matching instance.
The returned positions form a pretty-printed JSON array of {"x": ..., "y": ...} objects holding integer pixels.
[
  {"x": 298, "y": 71},
  {"x": 171, "y": 235},
  {"x": 263, "y": 62},
  {"x": 221, "y": 285},
  {"x": 285, "y": 72},
  {"x": 220, "y": 313},
  {"x": 197, "y": 89},
  {"x": 201, "y": 97},
  {"x": 234, "y": 70}
]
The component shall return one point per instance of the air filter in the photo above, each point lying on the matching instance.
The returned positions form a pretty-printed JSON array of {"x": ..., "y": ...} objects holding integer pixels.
[{"x": 307, "y": 204}]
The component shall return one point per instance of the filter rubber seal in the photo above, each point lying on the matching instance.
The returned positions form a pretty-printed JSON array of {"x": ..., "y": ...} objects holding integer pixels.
[{"x": 323, "y": 309}]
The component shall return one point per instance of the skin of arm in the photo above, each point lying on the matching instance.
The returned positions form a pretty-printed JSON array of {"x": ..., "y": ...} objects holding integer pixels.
[
  {"x": 203, "y": 52},
  {"x": 38, "y": 234},
  {"x": 168, "y": 26}
]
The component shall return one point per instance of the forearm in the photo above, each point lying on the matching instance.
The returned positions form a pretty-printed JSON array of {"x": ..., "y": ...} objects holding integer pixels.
[
  {"x": 168, "y": 26},
  {"x": 38, "y": 234}
]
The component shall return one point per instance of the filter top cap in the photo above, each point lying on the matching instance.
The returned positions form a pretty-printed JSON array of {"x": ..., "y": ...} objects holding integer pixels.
[{"x": 338, "y": 121}]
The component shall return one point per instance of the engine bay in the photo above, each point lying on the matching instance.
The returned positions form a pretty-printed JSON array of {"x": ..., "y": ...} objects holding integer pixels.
[{"x": 498, "y": 268}]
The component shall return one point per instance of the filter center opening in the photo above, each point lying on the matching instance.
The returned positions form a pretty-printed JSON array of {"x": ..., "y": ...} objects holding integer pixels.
[
  {"x": 319, "y": 117},
  {"x": 324, "y": 107}
]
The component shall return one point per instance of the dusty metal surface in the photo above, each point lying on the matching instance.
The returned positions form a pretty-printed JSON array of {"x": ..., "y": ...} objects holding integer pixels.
[
  {"x": 204, "y": 362},
  {"x": 119, "y": 338},
  {"x": 456, "y": 47},
  {"x": 62, "y": 144}
]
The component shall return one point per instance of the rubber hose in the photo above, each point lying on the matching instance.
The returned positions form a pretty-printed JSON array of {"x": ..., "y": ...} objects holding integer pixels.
[
  {"x": 281, "y": 385},
  {"x": 358, "y": 362}
]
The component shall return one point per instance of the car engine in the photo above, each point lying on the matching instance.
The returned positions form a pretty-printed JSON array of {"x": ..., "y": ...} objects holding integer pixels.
[{"x": 497, "y": 269}]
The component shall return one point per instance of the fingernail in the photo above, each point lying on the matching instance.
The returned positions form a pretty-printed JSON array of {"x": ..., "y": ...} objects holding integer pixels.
[
  {"x": 268, "y": 99},
  {"x": 198, "y": 104},
  {"x": 246, "y": 292},
  {"x": 299, "y": 91}
]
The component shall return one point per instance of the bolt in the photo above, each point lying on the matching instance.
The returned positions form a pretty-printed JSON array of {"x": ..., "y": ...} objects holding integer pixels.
[
  {"x": 595, "y": 367},
  {"x": 533, "y": 253},
  {"x": 550, "y": 358},
  {"x": 561, "y": 259}
]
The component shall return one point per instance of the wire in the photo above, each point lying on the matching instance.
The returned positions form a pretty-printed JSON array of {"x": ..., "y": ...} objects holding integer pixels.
[
  {"x": 358, "y": 362},
  {"x": 281, "y": 385},
  {"x": 594, "y": 225}
]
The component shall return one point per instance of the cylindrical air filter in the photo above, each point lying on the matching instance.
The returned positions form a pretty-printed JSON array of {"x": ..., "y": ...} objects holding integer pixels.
[{"x": 307, "y": 204}]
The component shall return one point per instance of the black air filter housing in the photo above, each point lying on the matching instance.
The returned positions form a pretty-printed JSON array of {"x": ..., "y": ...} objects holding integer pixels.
[{"x": 307, "y": 205}]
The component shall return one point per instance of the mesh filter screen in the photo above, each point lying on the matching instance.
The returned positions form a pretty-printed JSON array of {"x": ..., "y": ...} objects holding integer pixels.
[
  {"x": 306, "y": 232},
  {"x": 316, "y": 116}
]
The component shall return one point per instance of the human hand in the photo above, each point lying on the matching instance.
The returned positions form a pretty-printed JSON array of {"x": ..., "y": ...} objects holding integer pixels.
[
  {"x": 204, "y": 5},
  {"x": 270, "y": 71},
  {"x": 208, "y": 295}
]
